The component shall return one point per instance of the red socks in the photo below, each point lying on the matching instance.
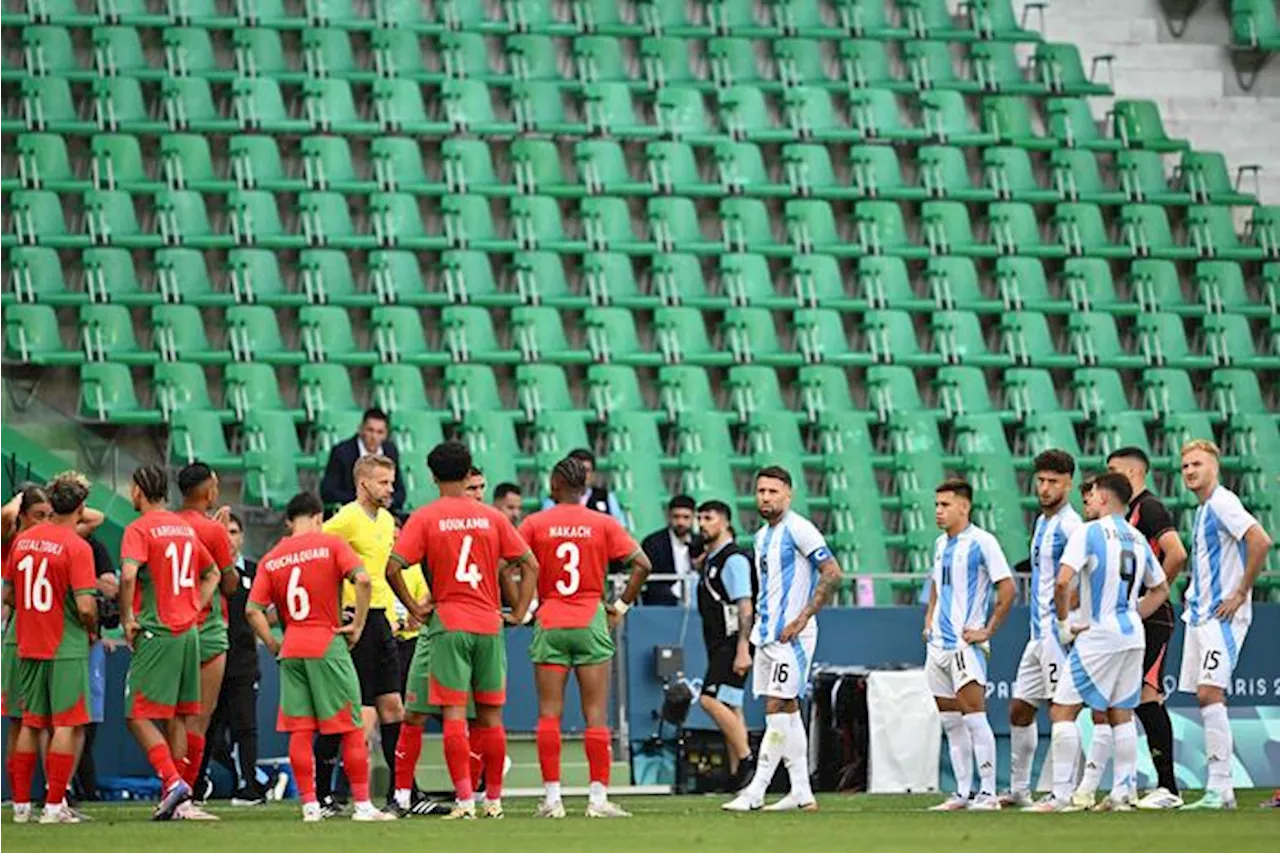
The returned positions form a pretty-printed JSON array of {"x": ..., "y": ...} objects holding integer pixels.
[
  {"x": 495, "y": 757},
  {"x": 58, "y": 767},
  {"x": 596, "y": 742},
  {"x": 408, "y": 751},
  {"x": 457, "y": 755},
  {"x": 161, "y": 760},
  {"x": 303, "y": 761},
  {"x": 195, "y": 758},
  {"x": 475, "y": 743},
  {"x": 22, "y": 768},
  {"x": 549, "y": 748},
  {"x": 355, "y": 758}
]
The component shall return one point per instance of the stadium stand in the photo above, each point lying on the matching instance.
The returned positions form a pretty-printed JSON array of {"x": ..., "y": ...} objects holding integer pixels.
[{"x": 871, "y": 241}]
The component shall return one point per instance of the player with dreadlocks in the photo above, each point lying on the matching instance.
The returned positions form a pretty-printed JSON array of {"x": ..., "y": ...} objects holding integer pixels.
[{"x": 573, "y": 546}]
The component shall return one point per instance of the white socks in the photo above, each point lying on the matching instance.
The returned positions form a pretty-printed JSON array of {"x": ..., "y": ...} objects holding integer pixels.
[
  {"x": 772, "y": 748},
  {"x": 1099, "y": 755},
  {"x": 984, "y": 751},
  {"x": 1064, "y": 749},
  {"x": 961, "y": 748},
  {"x": 553, "y": 792},
  {"x": 797, "y": 759},
  {"x": 404, "y": 796},
  {"x": 1023, "y": 741},
  {"x": 1124, "y": 780},
  {"x": 596, "y": 794},
  {"x": 1218, "y": 747}
]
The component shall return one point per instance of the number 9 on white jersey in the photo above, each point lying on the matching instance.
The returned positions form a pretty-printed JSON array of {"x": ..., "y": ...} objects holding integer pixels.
[{"x": 781, "y": 670}]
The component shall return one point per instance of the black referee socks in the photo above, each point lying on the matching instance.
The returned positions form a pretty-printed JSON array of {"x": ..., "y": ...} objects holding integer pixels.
[{"x": 1159, "y": 729}]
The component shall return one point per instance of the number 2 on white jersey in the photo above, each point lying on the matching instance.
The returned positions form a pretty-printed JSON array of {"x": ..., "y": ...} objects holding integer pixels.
[
  {"x": 35, "y": 580},
  {"x": 571, "y": 556},
  {"x": 180, "y": 566},
  {"x": 467, "y": 572},
  {"x": 296, "y": 598}
]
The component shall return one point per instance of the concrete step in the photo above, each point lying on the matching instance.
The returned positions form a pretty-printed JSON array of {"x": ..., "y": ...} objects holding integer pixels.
[
  {"x": 1202, "y": 108},
  {"x": 1069, "y": 26},
  {"x": 1152, "y": 57},
  {"x": 1168, "y": 83}
]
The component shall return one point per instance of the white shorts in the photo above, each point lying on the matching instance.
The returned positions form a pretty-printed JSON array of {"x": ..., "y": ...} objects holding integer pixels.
[
  {"x": 1043, "y": 662},
  {"x": 781, "y": 670},
  {"x": 1101, "y": 676},
  {"x": 948, "y": 670},
  {"x": 1210, "y": 652}
]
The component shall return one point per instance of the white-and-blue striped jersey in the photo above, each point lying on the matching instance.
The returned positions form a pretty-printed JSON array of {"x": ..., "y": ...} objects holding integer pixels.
[
  {"x": 787, "y": 556},
  {"x": 1047, "y": 544},
  {"x": 1115, "y": 563},
  {"x": 965, "y": 567},
  {"x": 1217, "y": 557}
]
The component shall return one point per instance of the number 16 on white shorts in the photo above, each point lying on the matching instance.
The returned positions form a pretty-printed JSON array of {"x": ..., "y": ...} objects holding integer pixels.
[
  {"x": 781, "y": 670},
  {"x": 1209, "y": 653}
]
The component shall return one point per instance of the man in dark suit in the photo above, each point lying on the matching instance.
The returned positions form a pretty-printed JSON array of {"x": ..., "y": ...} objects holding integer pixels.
[
  {"x": 339, "y": 485},
  {"x": 668, "y": 551}
]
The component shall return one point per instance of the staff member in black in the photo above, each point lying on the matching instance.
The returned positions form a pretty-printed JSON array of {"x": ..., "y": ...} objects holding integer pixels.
[
  {"x": 726, "y": 597},
  {"x": 1154, "y": 522},
  {"x": 234, "y": 724}
]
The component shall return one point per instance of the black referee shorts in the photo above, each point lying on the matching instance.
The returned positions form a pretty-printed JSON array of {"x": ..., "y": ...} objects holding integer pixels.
[
  {"x": 377, "y": 659},
  {"x": 721, "y": 682}
]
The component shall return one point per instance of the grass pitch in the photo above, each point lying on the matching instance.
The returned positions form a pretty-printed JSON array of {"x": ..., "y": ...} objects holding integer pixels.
[{"x": 863, "y": 823}]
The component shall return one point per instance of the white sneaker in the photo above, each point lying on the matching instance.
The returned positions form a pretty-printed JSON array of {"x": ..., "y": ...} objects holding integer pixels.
[
  {"x": 1016, "y": 799},
  {"x": 190, "y": 811},
  {"x": 1081, "y": 801},
  {"x": 462, "y": 811},
  {"x": 606, "y": 809},
  {"x": 987, "y": 803},
  {"x": 742, "y": 803},
  {"x": 21, "y": 812},
  {"x": 1049, "y": 805},
  {"x": 550, "y": 809},
  {"x": 1159, "y": 799},
  {"x": 311, "y": 813},
  {"x": 492, "y": 809},
  {"x": 1112, "y": 803},
  {"x": 954, "y": 803},
  {"x": 58, "y": 814},
  {"x": 368, "y": 813},
  {"x": 791, "y": 803}
]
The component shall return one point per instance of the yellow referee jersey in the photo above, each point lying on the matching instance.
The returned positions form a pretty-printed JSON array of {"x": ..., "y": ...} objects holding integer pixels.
[
  {"x": 372, "y": 539},
  {"x": 417, "y": 585}
]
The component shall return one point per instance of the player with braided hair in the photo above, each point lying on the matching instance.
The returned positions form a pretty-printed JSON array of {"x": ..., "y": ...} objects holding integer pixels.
[{"x": 573, "y": 546}]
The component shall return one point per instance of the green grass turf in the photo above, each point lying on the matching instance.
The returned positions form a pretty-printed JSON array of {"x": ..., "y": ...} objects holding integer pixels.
[{"x": 862, "y": 823}]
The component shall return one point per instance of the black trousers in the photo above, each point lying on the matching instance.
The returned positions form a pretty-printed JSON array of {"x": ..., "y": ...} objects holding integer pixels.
[{"x": 235, "y": 725}]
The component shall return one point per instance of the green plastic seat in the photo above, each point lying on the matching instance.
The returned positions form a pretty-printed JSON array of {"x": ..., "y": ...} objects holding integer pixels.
[
  {"x": 1157, "y": 286},
  {"x": 1229, "y": 340},
  {"x": 1204, "y": 174},
  {"x": 536, "y": 169},
  {"x": 1077, "y": 177},
  {"x": 196, "y": 434},
  {"x": 329, "y": 106},
  {"x": 750, "y": 334},
  {"x": 1071, "y": 124},
  {"x": 1255, "y": 25},
  {"x": 812, "y": 228},
  {"x": 537, "y": 107},
  {"x": 865, "y": 65},
  {"x": 614, "y": 389},
  {"x": 732, "y": 62},
  {"x": 613, "y": 338},
  {"x": 540, "y": 279},
  {"x": 995, "y": 67},
  {"x": 467, "y": 277},
  {"x": 1212, "y": 230},
  {"x": 885, "y": 283},
  {"x": 110, "y": 217},
  {"x": 189, "y": 52},
  {"x": 1061, "y": 70},
  {"x": 259, "y": 52},
  {"x": 324, "y": 219},
  {"x": 755, "y": 389},
  {"x": 275, "y": 432},
  {"x": 37, "y": 218},
  {"x": 963, "y": 390},
  {"x": 255, "y": 221},
  {"x": 745, "y": 114},
  {"x": 683, "y": 390},
  {"x": 824, "y": 392},
  {"x": 399, "y": 390},
  {"x": 874, "y": 172},
  {"x": 107, "y": 333},
  {"x": 326, "y": 335},
  {"x": 50, "y": 52},
  {"x": 32, "y": 336},
  {"x": 742, "y": 169},
  {"x": 610, "y": 109},
  {"x": 187, "y": 163},
  {"x": 327, "y": 164},
  {"x": 1028, "y": 341},
  {"x": 399, "y": 337},
  {"x": 1089, "y": 284},
  {"x": 544, "y": 388},
  {"x": 1167, "y": 391},
  {"x": 608, "y": 279},
  {"x": 1027, "y": 391},
  {"x": 1082, "y": 231},
  {"x": 325, "y": 388},
  {"x": 605, "y": 168},
  {"x": 492, "y": 437},
  {"x": 1010, "y": 175},
  {"x": 868, "y": 19},
  {"x": 255, "y": 277},
  {"x": 1014, "y": 228},
  {"x": 397, "y": 108},
  {"x": 48, "y": 105},
  {"x": 954, "y": 283},
  {"x": 189, "y": 105},
  {"x": 256, "y": 163},
  {"x": 470, "y": 335},
  {"x": 179, "y": 335},
  {"x": 181, "y": 387},
  {"x": 1237, "y": 392},
  {"x": 892, "y": 388},
  {"x": 531, "y": 57},
  {"x": 996, "y": 19},
  {"x": 931, "y": 19},
  {"x": 891, "y": 338},
  {"x": 1143, "y": 179},
  {"x": 959, "y": 339},
  {"x": 253, "y": 385},
  {"x": 1137, "y": 124},
  {"x": 1264, "y": 230},
  {"x": 110, "y": 276},
  {"x": 1148, "y": 233},
  {"x": 36, "y": 275},
  {"x": 681, "y": 113},
  {"x": 43, "y": 163},
  {"x": 800, "y": 62},
  {"x": 682, "y": 338},
  {"x": 674, "y": 226},
  {"x": 253, "y": 333},
  {"x": 947, "y": 230},
  {"x": 875, "y": 113},
  {"x": 1023, "y": 285},
  {"x": 746, "y": 280},
  {"x": 471, "y": 388},
  {"x": 1222, "y": 288},
  {"x": 1096, "y": 341},
  {"x": 540, "y": 335},
  {"x": 947, "y": 121},
  {"x": 1162, "y": 339},
  {"x": 181, "y": 275},
  {"x": 665, "y": 61},
  {"x": 931, "y": 66},
  {"x": 811, "y": 114},
  {"x": 468, "y": 168},
  {"x": 883, "y": 230},
  {"x": 1099, "y": 391},
  {"x": 396, "y": 220},
  {"x": 944, "y": 173}
]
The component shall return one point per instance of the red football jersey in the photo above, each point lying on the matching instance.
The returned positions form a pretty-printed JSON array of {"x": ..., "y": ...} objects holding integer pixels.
[
  {"x": 217, "y": 541},
  {"x": 47, "y": 565},
  {"x": 302, "y": 576},
  {"x": 459, "y": 542},
  {"x": 573, "y": 545},
  {"x": 171, "y": 561}
]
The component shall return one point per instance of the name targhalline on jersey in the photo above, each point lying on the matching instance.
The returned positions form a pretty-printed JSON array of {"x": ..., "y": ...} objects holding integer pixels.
[
  {"x": 964, "y": 569},
  {"x": 1047, "y": 544},
  {"x": 171, "y": 560},
  {"x": 1115, "y": 563},
  {"x": 787, "y": 557},
  {"x": 1218, "y": 557}
]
